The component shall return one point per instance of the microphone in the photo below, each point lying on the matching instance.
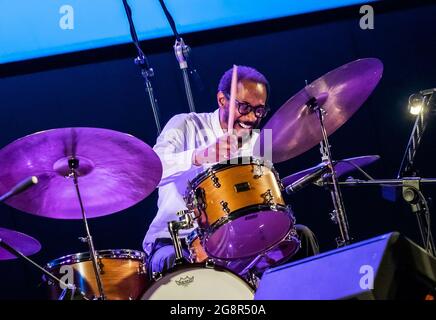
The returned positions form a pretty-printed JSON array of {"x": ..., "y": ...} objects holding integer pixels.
[
  {"x": 20, "y": 187},
  {"x": 307, "y": 179}
]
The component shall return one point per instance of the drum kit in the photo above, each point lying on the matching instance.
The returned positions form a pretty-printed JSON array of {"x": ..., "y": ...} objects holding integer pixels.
[{"x": 241, "y": 220}]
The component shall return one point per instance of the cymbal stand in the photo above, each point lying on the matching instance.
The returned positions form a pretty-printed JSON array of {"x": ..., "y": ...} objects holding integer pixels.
[
  {"x": 339, "y": 209},
  {"x": 63, "y": 284},
  {"x": 73, "y": 164}
]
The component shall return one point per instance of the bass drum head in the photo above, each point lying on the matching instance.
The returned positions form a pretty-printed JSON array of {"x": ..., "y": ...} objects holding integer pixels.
[{"x": 198, "y": 282}]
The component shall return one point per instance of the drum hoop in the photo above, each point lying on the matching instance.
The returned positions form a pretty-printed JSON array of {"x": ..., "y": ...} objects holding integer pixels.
[
  {"x": 226, "y": 165},
  {"x": 101, "y": 254},
  {"x": 185, "y": 265}
]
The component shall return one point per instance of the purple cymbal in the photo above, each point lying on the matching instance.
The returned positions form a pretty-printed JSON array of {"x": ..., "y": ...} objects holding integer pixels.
[
  {"x": 295, "y": 127},
  {"x": 18, "y": 241},
  {"x": 342, "y": 167},
  {"x": 116, "y": 171}
]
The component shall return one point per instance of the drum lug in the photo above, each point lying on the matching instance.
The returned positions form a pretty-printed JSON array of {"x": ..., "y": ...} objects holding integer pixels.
[
  {"x": 279, "y": 182},
  {"x": 142, "y": 269},
  {"x": 225, "y": 206},
  {"x": 269, "y": 199},
  {"x": 257, "y": 169},
  {"x": 215, "y": 180},
  {"x": 189, "y": 196},
  {"x": 210, "y": 263},
  {"x": 157, "y": 276}
]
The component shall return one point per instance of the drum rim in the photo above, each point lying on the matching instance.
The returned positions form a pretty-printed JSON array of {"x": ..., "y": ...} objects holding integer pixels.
[
  {"x": 241, "y": 213},
  {"x": 101, "y": 254},
  {"x": 220, "y": 166},
  {"x": 187, "y": 265}
]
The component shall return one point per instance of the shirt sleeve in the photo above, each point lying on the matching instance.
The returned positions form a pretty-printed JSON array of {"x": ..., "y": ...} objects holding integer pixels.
[{"x": 172, "y": 147}]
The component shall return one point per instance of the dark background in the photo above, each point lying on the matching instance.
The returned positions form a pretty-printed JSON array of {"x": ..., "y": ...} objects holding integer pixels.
[{"x": 103, "y": 88}]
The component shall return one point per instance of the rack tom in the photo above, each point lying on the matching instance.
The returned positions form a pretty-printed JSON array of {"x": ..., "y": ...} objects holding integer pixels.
[{"x": 239, "y": 208}]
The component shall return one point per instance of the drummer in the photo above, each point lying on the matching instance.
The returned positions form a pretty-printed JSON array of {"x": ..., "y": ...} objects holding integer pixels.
[{"x": 190, "y": 143}]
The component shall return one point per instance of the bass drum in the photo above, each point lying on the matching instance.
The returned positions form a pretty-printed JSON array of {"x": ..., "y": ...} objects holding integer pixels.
[{"x": 198, "y": 282}]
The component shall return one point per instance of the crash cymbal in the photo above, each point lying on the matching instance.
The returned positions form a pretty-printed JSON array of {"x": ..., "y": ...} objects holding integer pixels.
[
  {"x": 19, "y": 241},
  {"x": 116, "y": 170},
  {"x": 296, "y": 128},
  {"x": 342, "y": 167}
]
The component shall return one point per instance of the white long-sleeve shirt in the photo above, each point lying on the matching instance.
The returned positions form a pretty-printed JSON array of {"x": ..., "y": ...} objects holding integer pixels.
[{"x": 175, "y": 146}]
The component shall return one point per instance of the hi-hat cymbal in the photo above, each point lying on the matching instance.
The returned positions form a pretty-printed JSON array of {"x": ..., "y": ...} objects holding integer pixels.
[
  {"x": 342, "y": 167},
  {"x": 19, "y": 241},
  {"x": 116, "y": 171},
  {"x": 296, "y": 128}
]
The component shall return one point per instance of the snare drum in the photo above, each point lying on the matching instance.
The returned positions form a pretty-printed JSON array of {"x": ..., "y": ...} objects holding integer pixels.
[
  {"x": 239, "y": 208},
  {"x": 198, "y": 282},
  {"x": 123, "y": 274}
]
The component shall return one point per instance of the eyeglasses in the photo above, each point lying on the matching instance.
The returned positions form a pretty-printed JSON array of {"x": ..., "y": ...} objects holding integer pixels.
[{"x": 245, "y": 108}]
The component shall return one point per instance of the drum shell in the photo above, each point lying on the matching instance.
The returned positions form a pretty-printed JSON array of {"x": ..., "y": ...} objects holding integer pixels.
[
  {"x": 123, "y": 274},
  {"x": 226, "y": 189}
]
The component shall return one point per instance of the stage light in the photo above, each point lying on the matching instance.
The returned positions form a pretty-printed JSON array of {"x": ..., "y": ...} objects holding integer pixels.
[{"x": 416, "y": 104}]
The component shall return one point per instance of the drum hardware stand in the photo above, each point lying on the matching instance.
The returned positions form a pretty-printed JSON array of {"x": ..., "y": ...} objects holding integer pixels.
[
  {"x": 185, "y": 222},
  {"x": 73, "y": 164},
  {"x": 146, "y": 71},
  {"x": 411, "y": 191},
  {"x": 182, "y": 51},
  {"x": 18, "y": 188},
  {"x": 63, "y": 284},
  {"x": 315, "y": 105}
]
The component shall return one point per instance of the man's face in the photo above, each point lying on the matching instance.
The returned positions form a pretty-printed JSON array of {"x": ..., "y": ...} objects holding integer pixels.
[{"x": 248, "y": 92}]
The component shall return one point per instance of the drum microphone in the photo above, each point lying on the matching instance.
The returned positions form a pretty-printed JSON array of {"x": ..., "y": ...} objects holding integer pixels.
[
  {"x": 20, "y": 187},
  {"x": 307, "y": 179}
]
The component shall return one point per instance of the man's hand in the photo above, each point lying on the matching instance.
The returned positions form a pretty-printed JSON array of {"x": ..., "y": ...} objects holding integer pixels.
[{"x": 224, "y": 148}]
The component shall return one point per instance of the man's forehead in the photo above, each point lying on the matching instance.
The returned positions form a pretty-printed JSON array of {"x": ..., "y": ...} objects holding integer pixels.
[{"x": 249, "y": 87}]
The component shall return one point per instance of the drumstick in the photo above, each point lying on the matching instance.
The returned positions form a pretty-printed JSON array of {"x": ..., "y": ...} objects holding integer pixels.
[{"x": 232, "y": 99}]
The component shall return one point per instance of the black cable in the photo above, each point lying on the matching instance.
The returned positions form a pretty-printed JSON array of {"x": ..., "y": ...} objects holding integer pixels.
[
  {"x": 170, "y": 19},
  {"x": 427, "y": 237},
  {"x": 133, "y": 33}
]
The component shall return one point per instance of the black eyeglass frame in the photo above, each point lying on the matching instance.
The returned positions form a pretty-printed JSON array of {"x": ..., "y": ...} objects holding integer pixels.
[{"x": 250, "y": 107}]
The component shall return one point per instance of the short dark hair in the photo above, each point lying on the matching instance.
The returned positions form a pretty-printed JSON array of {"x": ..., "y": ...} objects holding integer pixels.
[{"x": 244, "y": 73}]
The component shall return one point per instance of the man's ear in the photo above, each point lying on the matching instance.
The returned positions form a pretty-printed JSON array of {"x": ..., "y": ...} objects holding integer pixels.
[{"x": 221, "y": 99}]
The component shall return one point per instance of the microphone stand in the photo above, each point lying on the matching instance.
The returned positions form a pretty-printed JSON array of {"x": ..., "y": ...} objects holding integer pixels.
[
  {"x": 412, "y": 194},
  {"x": 146, "y": 71},
  {"x": 181, "y": 51}
]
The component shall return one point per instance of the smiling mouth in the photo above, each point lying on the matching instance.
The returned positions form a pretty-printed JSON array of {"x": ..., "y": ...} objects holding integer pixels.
[{"x": 244, "y": 125}]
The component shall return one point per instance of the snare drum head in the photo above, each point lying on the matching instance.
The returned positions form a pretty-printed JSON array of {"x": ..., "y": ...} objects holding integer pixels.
[{"x": 198, "y": 282}]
